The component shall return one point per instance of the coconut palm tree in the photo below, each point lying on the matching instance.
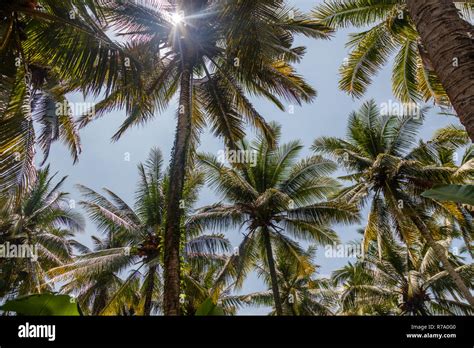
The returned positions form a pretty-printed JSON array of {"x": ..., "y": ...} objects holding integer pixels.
[
  {"x": 390, "y": 172},
  {"x": 433, "y": 57},
  {"x": 105, "y": 291},
  {"x": 42, "y": 220},
  {"x": 47, "y": 49},
  {"x": 276, "y": 198},
  {"x": 443, "y": 150},
  {"x": 303, "y": 294},
  {"x": 394, "y": 285},
  {"x": 209, "y": 53},
  {"x": 134, "y": 239},
  {"x": 207, "y": 279}
]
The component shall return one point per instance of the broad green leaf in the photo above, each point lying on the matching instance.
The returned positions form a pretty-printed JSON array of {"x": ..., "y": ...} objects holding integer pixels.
[
  {"x": 43, "y": 304},
  {"x": 463, "y": 194},
  {"x": 208, "y": 308}
]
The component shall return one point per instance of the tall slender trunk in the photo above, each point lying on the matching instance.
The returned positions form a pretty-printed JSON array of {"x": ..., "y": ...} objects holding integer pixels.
[
  {"x": 32, "y": 264},
  {"x": 467, "y": 242},
  {"x": 440, "y": 253},
  {"x": 100, "y": 302},
  {"x": 273, "y": 275},
  {"x": 449, "y": 42},
  {"x": 466, "y": 233},
  {"x": 149, "y": 291},
  {"x": 175, "y": 193}
]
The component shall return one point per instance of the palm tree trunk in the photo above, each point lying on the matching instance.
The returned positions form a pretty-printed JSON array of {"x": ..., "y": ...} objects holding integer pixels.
[
  {"x": 100, "y": 302},
  {"x": 440, "y": 253},
  {"x": 149, "y": 291},
  {"x": 449, "y": 42},
  {"x": 273, "y": 275},
  {"x": 32, "y": 264},
  {"x": 466, "y": 233},
  {"x": 175, "y": 193},
  {"x": 467, "y": 242}
]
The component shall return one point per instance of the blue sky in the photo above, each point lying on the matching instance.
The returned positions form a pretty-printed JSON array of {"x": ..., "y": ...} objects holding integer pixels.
[{"x": 103, "y": 163}]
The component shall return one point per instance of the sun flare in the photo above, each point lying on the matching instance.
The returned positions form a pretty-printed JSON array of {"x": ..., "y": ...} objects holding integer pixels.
[{"x": 177, "y": 18}]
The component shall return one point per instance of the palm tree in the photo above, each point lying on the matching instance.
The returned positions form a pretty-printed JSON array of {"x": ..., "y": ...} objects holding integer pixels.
[
  {"x": 134, "y": 238},
  {"x": 209, "y": 53},
  {"x": 103, "y": 292},
  {"x": 394, "y": 285},
  {"x": 207, "y": 278},
  {"x": 303, "y": 294},
  {"x": 42, "y": 220},
  {"x": 276, "y": 197},
  {"x": 390, "y": 172},
  {"x": 434, "y": 57},
  {"x": 443, "y": 150},
  {"x": 47, "y": 49}
]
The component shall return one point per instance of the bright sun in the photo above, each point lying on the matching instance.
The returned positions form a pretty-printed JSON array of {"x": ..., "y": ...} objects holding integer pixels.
[{"x": 177, "y": 18}]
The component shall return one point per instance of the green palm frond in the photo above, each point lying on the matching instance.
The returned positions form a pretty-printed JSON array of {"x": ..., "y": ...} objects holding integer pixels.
[
  {"x": 91, "y": 265},
  {"x": 208, "y": 244},
  {"x": 343, "y": 13},
  {"x": 405, "y": 69},
  {"x": 17, "y": 138},
  {"x": 429, "y": 85},
  {"x": 390, "y": 29},
  {"x": 370, "y": 52},
  {"x": 53, "y": 113}
]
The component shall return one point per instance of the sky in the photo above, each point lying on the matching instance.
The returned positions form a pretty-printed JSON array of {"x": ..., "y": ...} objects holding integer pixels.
[{"x": 114, "y": 165}]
